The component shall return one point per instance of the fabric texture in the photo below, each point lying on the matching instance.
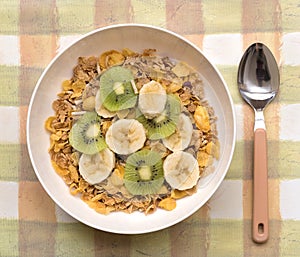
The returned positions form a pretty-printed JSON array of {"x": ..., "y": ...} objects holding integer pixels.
[{"x": 33, "y": 32}]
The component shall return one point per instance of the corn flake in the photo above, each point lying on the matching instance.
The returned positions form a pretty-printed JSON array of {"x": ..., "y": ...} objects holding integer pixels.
[
  {"x": 78, "y": 86},
  {"x": 168, "y": 204},
  {"x": 48, "y": 124},
  {"x": 204, "y": 159},
  {"x": 111, "y": 58},
  {"x": 98, "y": 207},
  {"x": 60, "y": 171},
  {"x": 128, "y": 52},
  {"x": 178, "y": 194},
  {"x": 202, "y": 118},
  {"x": 74, "y": 189},
  {"x": 73, "y": 173},
  {"x": 212, "y": 149},
  {"x": 173, "y": 87},
  {"x": 59, "y": 146},
  {"x": 67, "y": 85}
]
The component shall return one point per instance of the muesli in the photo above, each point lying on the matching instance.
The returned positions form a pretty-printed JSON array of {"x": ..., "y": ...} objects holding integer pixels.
[{"x": 132, "y": 131}]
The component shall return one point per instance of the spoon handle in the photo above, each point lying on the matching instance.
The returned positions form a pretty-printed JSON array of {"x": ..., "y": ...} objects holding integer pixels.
[{"x": 260, "y": 223}]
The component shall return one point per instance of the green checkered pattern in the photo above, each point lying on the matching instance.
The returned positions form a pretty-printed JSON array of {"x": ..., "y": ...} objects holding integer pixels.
[{"x": 32, "y": 33}]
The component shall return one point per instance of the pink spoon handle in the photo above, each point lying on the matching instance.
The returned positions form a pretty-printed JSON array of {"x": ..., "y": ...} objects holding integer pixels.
[{"x": 260, "y": 222}]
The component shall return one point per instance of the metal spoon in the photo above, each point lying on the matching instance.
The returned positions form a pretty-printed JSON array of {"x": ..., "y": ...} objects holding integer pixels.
[{"x": 258, "y": 81}]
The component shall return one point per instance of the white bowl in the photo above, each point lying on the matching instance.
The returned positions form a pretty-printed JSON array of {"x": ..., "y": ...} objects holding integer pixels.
[{"x": 136, "y": 37}]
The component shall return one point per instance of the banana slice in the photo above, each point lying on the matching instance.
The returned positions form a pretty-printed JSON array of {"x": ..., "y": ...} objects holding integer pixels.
[
  {"x": 152, "y": 99},
  {"x": 181, "y": 170},
  {"x": 125, "y": 136},
  {"x": 100, "y": 109},
  {"x": 182, "y": 137},
  {"x": 97, "y": 167}
]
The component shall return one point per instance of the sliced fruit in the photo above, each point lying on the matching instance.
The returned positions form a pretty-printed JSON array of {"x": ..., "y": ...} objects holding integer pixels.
[
  {"x": 85, "y": 135},
  {"x": 96, "y": 167},
  {"x": 125, "y": 136},
  {"x": 201, "y": 117},
  {"x": 182, "y": 136},
  {"x": 100, "y": 109},
  {"x": 152, "y": 99},
  {"x": 144, "y": 173},
  {"x": 163, "y": 125},
  {"x": 116, "y": 91},
  {"x": 181, "y": 170}
]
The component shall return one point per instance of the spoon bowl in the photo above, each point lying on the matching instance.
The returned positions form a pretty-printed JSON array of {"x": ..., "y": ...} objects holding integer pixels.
[
  {"x": 258, "y": 82},
  {"x": 258, "y": 76}
]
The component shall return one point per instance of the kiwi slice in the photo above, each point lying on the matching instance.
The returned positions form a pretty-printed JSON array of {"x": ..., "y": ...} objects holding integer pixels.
[
  {"x": 144, "y": 173},
  {"x": 116, "y": 91},
  {"x": 163, "y": 125},
  {"x": 85, "y": 135}
]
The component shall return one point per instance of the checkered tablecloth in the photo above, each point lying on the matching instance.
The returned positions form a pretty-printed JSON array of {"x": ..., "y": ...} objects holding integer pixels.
[{"x": 33, "y": 32}]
